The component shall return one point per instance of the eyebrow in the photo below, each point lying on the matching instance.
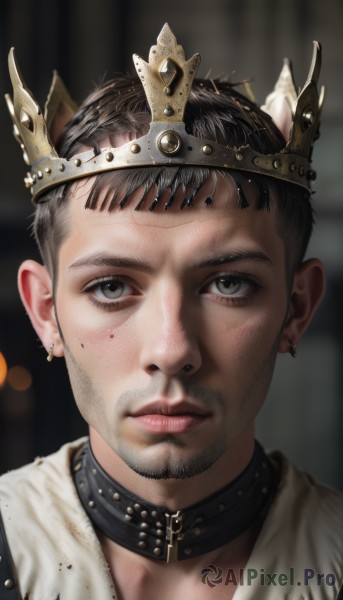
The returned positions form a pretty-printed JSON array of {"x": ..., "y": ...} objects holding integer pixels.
[
  {"x": 103, "y": 260},
  {"x": 236, "y": 256}
]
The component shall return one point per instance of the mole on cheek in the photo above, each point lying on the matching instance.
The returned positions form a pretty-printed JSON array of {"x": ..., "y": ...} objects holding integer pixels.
[
  {"x": 112, "y": 336},
  {"x": 82, "y": 345}
]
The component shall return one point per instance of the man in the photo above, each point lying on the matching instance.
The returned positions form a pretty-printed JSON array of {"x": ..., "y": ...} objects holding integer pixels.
[{"x": 172, "y": 217}]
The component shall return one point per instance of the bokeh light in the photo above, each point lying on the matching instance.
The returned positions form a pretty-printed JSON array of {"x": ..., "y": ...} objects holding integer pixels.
[
  {"x": 3, "y": 369},
  {"x": 19, "y": 378}
]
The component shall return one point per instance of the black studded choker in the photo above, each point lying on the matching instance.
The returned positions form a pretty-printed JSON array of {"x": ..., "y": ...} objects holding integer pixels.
[{"x": 154, "y": 531}]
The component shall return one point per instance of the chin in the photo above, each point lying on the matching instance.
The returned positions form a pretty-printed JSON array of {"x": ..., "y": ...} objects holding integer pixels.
[{"x": 175, "y": 466}]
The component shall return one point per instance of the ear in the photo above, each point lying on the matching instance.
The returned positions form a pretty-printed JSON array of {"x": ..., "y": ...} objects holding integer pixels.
[
  {"x": 35, "y": 287},
  {"x": 307, "y": 291}
]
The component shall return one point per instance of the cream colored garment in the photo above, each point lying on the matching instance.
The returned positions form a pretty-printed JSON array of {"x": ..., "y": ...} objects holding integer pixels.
[
  {"x": 303, "y": 533},
  {"x": 52, "y": 542},
  {"x": 57, "y": 554}
]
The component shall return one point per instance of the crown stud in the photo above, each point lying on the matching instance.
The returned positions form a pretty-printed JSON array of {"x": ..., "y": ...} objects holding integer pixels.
[{"x": 169, "y": 142}]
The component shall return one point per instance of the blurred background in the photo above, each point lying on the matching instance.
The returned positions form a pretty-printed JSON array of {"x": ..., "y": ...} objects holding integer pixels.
[{"x": 85, "y": 40}]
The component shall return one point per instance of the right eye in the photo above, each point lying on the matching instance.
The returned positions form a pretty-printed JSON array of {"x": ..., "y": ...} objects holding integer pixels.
[
  {"x": 109, "y": 292},
  {"x": 111, "y": 289}
]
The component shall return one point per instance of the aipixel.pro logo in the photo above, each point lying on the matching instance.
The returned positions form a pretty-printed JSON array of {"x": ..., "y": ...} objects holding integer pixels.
[{"x": 212, "y": 575}]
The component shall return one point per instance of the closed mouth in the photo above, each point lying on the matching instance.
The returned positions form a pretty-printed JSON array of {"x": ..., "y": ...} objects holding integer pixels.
[{"x": 167, "y": 409}]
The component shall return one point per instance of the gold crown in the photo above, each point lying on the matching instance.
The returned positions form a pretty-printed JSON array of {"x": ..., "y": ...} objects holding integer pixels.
[{"x": 167, "y": 79}]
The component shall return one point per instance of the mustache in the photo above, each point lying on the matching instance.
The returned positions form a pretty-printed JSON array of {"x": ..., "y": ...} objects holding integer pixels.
[{"x": 204, "y": 398}]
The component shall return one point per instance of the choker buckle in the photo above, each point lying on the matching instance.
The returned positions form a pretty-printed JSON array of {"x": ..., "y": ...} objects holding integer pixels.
[{"x": 173, "y": 535}]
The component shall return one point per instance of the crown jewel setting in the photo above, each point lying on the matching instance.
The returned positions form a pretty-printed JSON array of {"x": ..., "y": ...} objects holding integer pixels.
[{"x": 167, "y": 80}]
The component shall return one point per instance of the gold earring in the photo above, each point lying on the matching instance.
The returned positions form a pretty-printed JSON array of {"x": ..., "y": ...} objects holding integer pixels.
[
  {"x": 292, "y": 349},
  {"x": 50, "y": 353}
]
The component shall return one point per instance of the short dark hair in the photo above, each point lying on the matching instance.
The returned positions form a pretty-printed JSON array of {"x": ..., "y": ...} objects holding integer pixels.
[{"x": 216, "y": 111}]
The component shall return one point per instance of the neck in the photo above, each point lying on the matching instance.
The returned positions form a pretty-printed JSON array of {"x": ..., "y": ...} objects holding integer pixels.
[{"x": 176, "y": 493}]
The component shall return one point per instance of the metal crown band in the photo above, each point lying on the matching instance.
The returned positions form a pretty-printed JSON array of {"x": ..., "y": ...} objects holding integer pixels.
[{"x": 167, "y": 79}]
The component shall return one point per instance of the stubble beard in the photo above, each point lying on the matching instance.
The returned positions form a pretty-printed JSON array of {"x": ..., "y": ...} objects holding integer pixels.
[{"x": 175, "y": 467}]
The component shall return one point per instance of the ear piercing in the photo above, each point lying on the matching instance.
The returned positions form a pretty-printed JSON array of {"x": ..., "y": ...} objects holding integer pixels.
[
  {"x": 50, "y": 353},
  {"x": 292, "y": 349}
]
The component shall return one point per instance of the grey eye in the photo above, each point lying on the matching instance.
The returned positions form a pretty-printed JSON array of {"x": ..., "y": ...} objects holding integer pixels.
[
  {"x": 111, "y": 289},
  {"x": 228, "y": 285}
]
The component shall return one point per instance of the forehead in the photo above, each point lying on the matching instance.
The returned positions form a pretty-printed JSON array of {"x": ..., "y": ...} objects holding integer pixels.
[{"x": 201, "y": 228}]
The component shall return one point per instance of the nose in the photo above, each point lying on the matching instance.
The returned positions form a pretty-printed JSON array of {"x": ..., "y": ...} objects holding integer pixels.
[{"x": 171, "y": 340}]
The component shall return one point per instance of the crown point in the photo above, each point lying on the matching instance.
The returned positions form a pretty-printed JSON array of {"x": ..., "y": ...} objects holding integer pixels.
[{"x": 166, "y": 33}]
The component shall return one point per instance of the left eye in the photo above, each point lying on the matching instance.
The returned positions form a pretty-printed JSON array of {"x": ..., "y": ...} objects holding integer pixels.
[{"x": 229, "y": 285}]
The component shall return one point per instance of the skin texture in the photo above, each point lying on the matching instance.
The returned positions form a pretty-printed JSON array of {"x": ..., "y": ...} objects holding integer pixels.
[{"x": 126, "y": 343}]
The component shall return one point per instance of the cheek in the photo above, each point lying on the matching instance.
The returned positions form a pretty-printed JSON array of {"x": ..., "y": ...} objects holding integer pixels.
[
  {"x": 245, "y": 360},
  {"x": 99, "y": 348},
  {"x": 243, "y": 338},
  {"x": 245, "y": 353}
]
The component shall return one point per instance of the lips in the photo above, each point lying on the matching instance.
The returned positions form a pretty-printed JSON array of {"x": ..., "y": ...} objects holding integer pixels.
[
  {"x": 162, "y": 407},
  {"x": 163, "y": 417}
]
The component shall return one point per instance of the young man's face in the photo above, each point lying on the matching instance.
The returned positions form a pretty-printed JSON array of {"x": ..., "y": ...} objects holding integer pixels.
[{"x": 141, "y": 295}]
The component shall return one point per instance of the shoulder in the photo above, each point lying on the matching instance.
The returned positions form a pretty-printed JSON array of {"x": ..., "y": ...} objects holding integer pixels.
[
  {"x": 302, "y": 533},
  {"x": 313, "y": 503},
  {"x": 48, "y": 531},
  {"x": 39, "y": 492},
  {"x": 42, "y": 469}
]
